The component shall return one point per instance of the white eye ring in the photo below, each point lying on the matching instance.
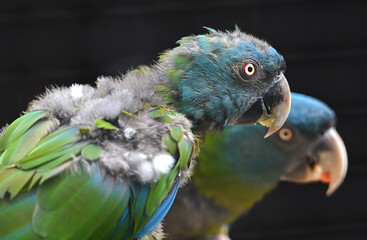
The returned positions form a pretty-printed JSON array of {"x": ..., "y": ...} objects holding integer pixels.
[
  {"x": 285, "y": 134},
  {"x": 249, "y": 69}
]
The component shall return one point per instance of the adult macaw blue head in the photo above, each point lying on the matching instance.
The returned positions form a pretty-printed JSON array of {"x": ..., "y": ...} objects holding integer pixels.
[{"x": 225, "y": 78}]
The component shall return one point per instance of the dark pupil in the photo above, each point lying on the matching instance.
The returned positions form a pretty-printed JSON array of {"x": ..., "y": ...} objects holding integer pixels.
[
  {"x": 285, "y": 133},
  {"x": 249, "y": 69}
]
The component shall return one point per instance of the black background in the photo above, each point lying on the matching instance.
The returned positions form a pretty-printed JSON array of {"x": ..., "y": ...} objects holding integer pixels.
[{"x": 57, "y": 42}]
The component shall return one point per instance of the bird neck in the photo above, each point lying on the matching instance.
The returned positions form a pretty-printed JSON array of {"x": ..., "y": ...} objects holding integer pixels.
[
  {"x": 231, "y": 192},
  {"x": 153, "y": 81},
  {"x": 232, "y": 175}
]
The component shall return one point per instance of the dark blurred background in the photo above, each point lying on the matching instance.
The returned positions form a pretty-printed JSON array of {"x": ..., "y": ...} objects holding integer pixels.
[{"x": 57, "y": 42}]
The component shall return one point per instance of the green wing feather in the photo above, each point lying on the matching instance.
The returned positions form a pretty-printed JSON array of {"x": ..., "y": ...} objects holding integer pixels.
[
  {"x": 40, "y": 198},
  {"x": 19, "y": 127},
  {"x": 31, "y": 151},
  {"x": 92, "y": 197},
  {"x": 16, "y": 217},
  {"x": 70, "y": 206}
]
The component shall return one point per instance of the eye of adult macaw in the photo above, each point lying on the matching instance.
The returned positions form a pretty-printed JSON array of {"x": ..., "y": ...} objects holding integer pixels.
[{"x": 247, "y": 69}]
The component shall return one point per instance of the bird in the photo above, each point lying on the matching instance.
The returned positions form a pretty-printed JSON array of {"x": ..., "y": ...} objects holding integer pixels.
[
  {"x": 105, "y": 161},
  {"x": 237, "y": 168}
]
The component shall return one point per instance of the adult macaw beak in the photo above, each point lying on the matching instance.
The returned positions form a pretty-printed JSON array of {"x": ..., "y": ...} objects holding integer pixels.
[
  {"x": 327, "y": 162},
  {"x": 278, "y": 99},
  {"x": 272, "y": 109}
]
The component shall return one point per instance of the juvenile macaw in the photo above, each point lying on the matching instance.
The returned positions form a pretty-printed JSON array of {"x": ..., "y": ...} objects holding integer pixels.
[
  {"x": 105, "y": 162},
  {"x": 238, "y": 167}
]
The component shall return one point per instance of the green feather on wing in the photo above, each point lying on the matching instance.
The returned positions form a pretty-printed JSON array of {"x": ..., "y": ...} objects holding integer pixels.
[
  {"x": 34, "y": 151},
  {"x": 69, "y": 203}
]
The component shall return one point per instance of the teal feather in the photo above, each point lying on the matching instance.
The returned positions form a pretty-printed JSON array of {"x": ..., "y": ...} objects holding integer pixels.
[
  {"x": 141, "y": 196},
  {"x": 211, "y": 30}
]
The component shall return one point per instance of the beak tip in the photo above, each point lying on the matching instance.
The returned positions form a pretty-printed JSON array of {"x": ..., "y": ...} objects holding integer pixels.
[
  {"x": 280, "y": 111},
  {"x": 270, "y": 132},
  {"x": 338, "y": 169},
  {"x": 330, "y": 191},
  {"x": 277, "y": 99}
]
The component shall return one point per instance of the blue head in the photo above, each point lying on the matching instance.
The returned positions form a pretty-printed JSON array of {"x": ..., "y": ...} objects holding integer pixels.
[
  {"x": 227, "y": 77},
  {"x": 310, "y": 116}
]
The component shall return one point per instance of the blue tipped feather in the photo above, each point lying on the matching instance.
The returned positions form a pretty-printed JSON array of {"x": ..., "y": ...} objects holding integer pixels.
[
  {"x": 160, "y": 213},
  {"x": 211, "y": 30}
]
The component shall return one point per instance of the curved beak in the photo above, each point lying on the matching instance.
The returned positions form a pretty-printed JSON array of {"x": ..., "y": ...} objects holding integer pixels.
[
  {"x": 328, "y": 163},
  {"x": 278, "y": 99},
  {"x": 272, "y": 109}
]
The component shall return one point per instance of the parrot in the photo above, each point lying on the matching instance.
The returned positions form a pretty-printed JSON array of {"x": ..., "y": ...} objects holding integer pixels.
[
  {"x": 106, "y": 161},
  {"x": 237, "y": 168}
]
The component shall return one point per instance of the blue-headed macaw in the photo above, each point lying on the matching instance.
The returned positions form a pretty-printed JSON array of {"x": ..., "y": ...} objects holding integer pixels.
[
  {"x": 238, "y": 167},
  {"x": 105, "y": 161}
]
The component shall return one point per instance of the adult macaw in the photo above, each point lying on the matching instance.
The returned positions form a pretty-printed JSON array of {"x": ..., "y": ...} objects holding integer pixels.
[{"x": 105, "y": 162}]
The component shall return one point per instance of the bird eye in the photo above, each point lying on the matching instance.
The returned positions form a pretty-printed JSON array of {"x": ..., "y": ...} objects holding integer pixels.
[
  {"x": 285, "y": 134},
  {"x": 249, "y": 69}
]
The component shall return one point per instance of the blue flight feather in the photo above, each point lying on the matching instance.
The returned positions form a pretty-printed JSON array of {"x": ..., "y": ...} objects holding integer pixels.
[
  {"x": 122, "y": 219},
  {"x": 160, "y": 212}
]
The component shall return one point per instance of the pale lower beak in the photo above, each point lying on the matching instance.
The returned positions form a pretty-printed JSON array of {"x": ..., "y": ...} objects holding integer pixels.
[{"x": 334, "y": 161}]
